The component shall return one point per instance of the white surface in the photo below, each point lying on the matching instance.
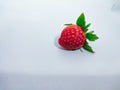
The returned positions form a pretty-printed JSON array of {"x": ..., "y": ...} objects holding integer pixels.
[
  {"x": 36, "y": 82},
  {"x": 28, "y": 29}
]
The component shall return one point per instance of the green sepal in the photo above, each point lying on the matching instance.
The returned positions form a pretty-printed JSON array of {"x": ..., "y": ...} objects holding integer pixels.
[
  {"x": 81, "y": 21},
  {"x": 86, "y": 27},
  {"x": 91, "y": 37},
  {"x": 68, "y": 24},
  {"x": 88, "y": 47}
]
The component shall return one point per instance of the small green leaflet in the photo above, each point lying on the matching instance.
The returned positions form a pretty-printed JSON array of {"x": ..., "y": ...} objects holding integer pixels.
[
  {"x": 88, "y": 48},
  {"x": 68, "y": 24},
  {"x": 86, "y": 27},
  {"x": 91, "y": 37},
  {"x": 81, "y": 20}
]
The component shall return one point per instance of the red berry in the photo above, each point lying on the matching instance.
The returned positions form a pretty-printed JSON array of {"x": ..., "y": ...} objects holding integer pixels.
[{"x": 72, "y": 37}]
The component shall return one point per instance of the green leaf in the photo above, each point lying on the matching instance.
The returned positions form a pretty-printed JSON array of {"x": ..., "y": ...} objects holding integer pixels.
[
  {"x": 91, "y": 37},
  {"x": 88, "y": 48},
  {"x": 86, "y": 27},
  {"x": 81, "y": 20},
  {"x": 91, "y": 32},
  {"x": 68, "y": 24}
]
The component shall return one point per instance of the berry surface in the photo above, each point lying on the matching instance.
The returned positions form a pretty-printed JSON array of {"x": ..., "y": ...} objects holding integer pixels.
[{"x": 72, "y": 37}]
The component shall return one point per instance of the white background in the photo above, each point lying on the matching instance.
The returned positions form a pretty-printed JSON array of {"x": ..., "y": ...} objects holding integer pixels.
[{"x": 28, "y": 29}]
